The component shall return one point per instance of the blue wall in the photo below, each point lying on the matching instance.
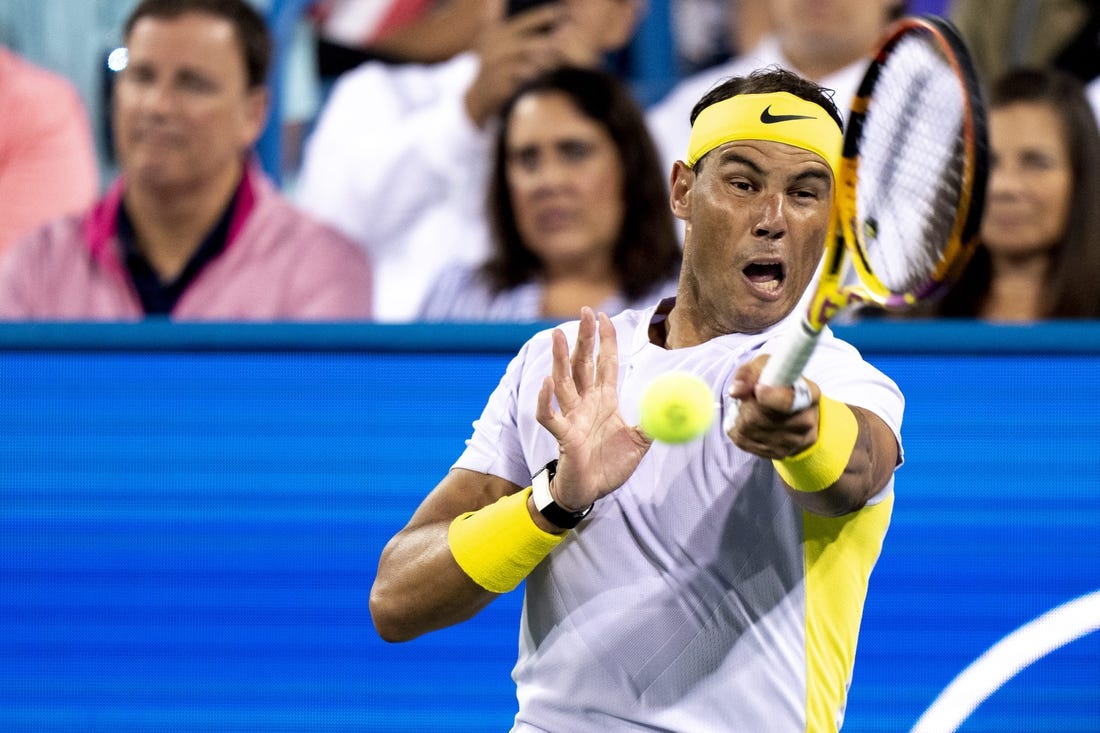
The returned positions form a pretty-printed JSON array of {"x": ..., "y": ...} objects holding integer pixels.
[{"x": 191, "y": 516}]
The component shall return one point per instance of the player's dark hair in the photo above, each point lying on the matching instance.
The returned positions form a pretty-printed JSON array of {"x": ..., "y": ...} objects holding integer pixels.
[
  {"x": 766, "y": 81},
  {"x": 252, "y": 33},
  {"x": 647, "y": 251},
  {"x": 1072, "y": 291}
]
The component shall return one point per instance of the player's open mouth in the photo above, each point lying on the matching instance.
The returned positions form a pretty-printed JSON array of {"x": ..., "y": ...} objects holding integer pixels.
[{"x": 767, "y": 277}]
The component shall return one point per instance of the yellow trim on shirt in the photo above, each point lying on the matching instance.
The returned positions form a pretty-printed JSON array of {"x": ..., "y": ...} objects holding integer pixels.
[{"x": 839, "y": 553}]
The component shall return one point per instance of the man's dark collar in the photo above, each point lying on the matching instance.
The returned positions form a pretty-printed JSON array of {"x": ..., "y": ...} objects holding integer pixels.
[{"x": 157, "y": 297}]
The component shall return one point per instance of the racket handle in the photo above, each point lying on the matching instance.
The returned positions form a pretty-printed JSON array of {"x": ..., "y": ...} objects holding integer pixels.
[{"x": 792, "y": 351}]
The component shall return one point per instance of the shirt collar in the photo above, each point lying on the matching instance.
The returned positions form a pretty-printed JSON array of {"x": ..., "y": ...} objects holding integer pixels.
[{"x": 100, "y": 225}]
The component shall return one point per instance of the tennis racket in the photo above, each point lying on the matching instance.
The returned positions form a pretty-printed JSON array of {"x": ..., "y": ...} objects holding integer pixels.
[{"x": 911, "y": 189}]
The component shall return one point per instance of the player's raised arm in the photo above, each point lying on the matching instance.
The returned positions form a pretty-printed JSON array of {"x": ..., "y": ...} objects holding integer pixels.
[
  {"x": 477, "y": 535},
  {"x": 598, "y": 450}
]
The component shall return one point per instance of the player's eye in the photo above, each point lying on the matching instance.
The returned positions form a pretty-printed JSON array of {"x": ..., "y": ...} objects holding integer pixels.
[{"x": 808, "y": 194}]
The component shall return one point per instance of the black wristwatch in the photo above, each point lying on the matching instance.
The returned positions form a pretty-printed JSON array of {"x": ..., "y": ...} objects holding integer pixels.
[{"x": 544, "y": 500}]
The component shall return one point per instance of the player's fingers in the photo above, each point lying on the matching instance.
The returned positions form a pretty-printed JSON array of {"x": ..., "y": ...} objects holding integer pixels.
[
  {"x": 740, "y": 433},
  {"x": 607, "y": 364},
  {"x": 545, "y": 413},
  {"x": 772, "y": 433},
  {"x": 583, "y": 366},
  {"x": 757, "y": 448},
  {"x": 744, "y": 379},
  {"x": 560, "y": 372},
  {"x": 797, "y": 397},
  {"x": 766, "y": 444}
]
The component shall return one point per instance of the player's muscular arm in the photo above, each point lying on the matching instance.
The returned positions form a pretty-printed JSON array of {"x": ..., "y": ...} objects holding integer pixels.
[
  {"x": 419, "y": 586},
  {"x": 869, "y": 469},
  {"x": 765, "y": 426}
]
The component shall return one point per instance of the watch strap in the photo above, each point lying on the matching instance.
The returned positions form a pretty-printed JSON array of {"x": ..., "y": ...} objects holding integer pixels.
[{"x": 556, "y": 514}]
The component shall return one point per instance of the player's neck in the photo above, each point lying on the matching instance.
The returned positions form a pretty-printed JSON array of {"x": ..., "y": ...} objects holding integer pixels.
[{"x": 687, "y": 325}]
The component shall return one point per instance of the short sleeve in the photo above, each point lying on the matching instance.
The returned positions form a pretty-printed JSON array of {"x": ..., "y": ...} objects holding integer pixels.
[{"x": 496, "y": 446}]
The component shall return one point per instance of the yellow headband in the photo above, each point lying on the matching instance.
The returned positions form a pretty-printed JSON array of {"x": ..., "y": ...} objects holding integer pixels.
[{"x": 779, "y": 116}]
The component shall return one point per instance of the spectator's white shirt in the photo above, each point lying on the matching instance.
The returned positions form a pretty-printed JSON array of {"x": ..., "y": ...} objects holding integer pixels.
[{"x": 396, "y": 164}]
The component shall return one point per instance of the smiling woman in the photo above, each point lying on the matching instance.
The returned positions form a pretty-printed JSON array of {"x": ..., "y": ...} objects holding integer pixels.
[
  {"x": 578, "y": 208},
  {"x": 1038, "y": 257}
]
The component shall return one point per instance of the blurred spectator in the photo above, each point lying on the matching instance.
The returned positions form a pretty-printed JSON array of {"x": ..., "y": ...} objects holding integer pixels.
[
  {"x": 47, "y": 156},
  {"x": 352, "y": 32},
  {"x": 343, "y": 34},
  {"x": 71, "y": 39},
  {"x": 76, "y": 38},
  {"x": 1039, "y": 256},
  {"x": 190, "y": 229},
  {"x": 1009, "y": 34},
  {"x": 828, "y": 43},
  {"x": 578, "y": 207},
  {"x": 709, "y": 32},
  {"x": 400, "y": 155}
]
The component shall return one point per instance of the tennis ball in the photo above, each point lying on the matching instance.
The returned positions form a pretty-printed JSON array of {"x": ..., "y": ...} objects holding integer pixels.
[{"x": 676, "y": 407}]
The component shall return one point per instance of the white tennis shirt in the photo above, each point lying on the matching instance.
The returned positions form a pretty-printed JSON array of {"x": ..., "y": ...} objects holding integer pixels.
[{"x": 697, "y": 596}]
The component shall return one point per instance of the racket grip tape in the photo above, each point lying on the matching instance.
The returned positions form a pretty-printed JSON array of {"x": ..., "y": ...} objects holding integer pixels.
[{"x": 792, "y": 350}]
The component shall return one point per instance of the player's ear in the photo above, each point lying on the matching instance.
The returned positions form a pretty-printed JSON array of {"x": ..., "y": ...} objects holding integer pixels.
[{"x": 681, "y": 182}]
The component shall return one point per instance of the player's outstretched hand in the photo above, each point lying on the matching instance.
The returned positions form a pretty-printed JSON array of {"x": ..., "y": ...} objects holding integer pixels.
[
  {"x": 766, "y": 424},
  {"x": 598, "y": 450}
]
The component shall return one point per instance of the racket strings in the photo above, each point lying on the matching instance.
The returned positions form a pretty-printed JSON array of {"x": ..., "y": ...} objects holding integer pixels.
[{"x": 911, "y": 167}]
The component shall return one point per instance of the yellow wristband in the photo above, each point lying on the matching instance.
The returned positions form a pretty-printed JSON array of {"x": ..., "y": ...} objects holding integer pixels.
[
  {"x": 499, "y": 545},
  {"x": 822, "y": 464}
]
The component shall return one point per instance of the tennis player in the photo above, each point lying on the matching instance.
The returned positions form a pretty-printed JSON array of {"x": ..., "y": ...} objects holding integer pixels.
[{"x": 712, "y": 586}]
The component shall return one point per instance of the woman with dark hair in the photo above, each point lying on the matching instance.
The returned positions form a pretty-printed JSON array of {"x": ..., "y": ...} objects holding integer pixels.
[
  {"x": 1039, "y": 256},
  {"x": 578, "y": 207}
]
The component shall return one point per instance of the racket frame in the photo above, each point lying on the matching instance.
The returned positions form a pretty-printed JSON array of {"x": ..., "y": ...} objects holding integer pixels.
[{"x": 845, "y": 246}]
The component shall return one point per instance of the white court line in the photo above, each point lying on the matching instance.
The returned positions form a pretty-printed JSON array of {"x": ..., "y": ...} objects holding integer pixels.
[{"x": 1005, "y": 659}]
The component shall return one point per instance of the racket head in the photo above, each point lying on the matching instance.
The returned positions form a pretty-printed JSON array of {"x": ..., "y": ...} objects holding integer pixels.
[{"x": 914, "y": 166}]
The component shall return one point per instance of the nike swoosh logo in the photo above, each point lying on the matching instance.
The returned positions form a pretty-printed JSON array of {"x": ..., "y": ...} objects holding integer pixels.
[{"x": 768, "y": 118}]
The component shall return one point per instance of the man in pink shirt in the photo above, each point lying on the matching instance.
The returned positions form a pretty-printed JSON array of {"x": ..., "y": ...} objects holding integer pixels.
[
  {"x": 190, "y": 230},
  {"x": 47, "y": 157}
]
